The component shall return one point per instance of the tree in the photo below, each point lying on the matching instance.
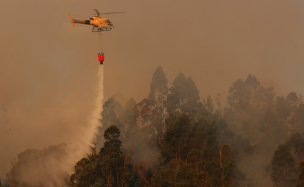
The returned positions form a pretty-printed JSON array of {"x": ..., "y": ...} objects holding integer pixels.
[
  {"x": 208, "y": 103},
  {"x": 230, "y": 175},
  {"x": 112, "y": 159},
  {"x": 283, "y": 173},
  {"x": 130, "y": 116},
  {"x": 110, "y": 167},
  {"x": 184, "y": 98},
  {"x": 158, "y": 87},
  {"x": 301, "y": 174},
  {"x": 84, "y": 173},
  {"x": 112, "y": 110},
  {"x": 112, "y": 114},
  {"x": 195, "y": 156},
  {"x": 152, "y": 110},
  {"x": 293, "y": 100},
  {"x": 296, "y": 146},
  {"x": 159, "y": 179},
  {"x": 176, "y": 137},
  {"x": 247, "y": 100},
  {"x": 297, "y": 119}
]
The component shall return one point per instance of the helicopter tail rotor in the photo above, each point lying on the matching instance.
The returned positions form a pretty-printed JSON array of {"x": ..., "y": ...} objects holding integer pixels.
[{"x": 72, "y": 20}]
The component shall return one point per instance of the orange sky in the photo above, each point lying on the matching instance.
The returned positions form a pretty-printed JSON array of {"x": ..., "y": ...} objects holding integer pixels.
[{"x": 48, "y": 69}]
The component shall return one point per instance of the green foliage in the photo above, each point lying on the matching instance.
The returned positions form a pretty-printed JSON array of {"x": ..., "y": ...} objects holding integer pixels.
[
  {"x": 184, "y": 98},
  {"x": 151, "y": 110},
  {"x": 159, "y": 179},
  {"x": 158, "y": 86},
  {"x": 296, "y": 147},
  {"x": 261, "y": 122},
  {"x": 192, "y": 157},
  {"x": 198, "y": 145},
  {"x": 111, "y": 133},
  {"x": 110, "y": 167},
  {"x": 286, "y": 158},
  {"x": 208, "y": 103},
  {"x": 284, "y": 172},
  {"x": 175, "y": 138},
  {"x": 301, "y": 174},
  {"x": 112, "y": 110}
]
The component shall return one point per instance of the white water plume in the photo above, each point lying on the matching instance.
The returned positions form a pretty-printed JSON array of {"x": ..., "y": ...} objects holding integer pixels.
[
  {"x": 79, "y": 150},
  {"x": 52, "y": 165}
]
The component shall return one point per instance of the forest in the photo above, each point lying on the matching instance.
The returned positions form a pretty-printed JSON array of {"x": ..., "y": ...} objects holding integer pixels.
[{"x": 174, "y": 138}]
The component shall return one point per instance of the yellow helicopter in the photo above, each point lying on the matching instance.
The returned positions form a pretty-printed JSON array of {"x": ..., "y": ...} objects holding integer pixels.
[{"x": 99, "y": 23}]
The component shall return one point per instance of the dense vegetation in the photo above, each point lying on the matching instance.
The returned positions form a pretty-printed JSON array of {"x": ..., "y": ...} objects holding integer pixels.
[{"x": 172, "y": 138}]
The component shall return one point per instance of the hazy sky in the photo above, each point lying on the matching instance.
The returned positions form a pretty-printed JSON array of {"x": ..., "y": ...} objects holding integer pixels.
[{"x": 48, "y": 69}]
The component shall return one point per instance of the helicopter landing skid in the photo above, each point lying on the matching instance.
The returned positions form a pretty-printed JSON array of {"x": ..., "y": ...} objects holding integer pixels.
[{"x": 96, "y": 29}]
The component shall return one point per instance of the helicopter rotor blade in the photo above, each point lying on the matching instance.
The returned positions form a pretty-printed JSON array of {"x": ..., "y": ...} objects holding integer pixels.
[
  {"x": 112, "y": 12},
  {"x": 96, "y": 12}
]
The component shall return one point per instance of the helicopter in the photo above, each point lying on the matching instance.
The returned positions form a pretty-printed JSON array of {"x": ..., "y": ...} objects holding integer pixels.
[{"x": 99, "y": 23}]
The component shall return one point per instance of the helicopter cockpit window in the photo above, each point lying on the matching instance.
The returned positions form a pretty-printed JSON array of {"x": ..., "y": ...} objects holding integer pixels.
[{"x": 91, "y": 19}]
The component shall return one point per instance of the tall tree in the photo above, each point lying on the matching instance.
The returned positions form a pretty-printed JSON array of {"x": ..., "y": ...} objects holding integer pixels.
[
  {"x": 110, "y": 167},
  {"x": 296, "y": 146},
  {"x": 284, "y": 172},
  {"x": 112, "y": 110},
  {"x": 176, "y": 138},
  {"x": 247, "y": 100},
  {"x": 152, "y": 110},
  {"x": 111, "y": 114},
  {"x": 112, "y": 159},
  {"x": 158, "y": 95},
  {"x": 184, "y": 98},
  {"x": 152, "y": 113},
  {"x": 129, "y": 118},
  {"x": 208, "y": 103},
  {"x": 158, "y": 86}
]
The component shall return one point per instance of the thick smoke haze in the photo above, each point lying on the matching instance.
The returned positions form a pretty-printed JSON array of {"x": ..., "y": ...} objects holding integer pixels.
[{"x": 49, "y": 70}]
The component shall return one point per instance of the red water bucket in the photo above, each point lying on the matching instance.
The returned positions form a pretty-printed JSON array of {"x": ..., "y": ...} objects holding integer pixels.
[{"x": 101, "y": 58}]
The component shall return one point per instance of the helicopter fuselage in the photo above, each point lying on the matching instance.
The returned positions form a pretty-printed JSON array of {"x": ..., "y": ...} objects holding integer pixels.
[{"x": 96, "y": 21}]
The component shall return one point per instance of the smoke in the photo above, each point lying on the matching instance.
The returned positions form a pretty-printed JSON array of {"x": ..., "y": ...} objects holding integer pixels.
[
  {"x": 48, "y": 73},
  {"x": 52, "y": 166},
  {"x": 79, "y": 148},
  {"x": 50, "y": 85}
]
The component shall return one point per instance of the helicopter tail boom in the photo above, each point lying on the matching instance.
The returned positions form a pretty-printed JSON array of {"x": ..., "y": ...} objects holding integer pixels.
[{"x": 72, "y": 20}]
